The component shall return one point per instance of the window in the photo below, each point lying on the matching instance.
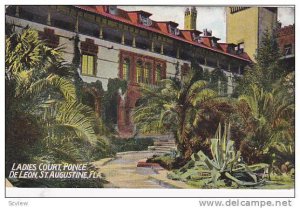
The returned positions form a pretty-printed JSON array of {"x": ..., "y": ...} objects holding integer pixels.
[
  {"x": 88, "y": 65},
  {"x": 126, "y": 68},
  {"x": 147, "y": 73},
  {"x": 288, "y": 49},
  {"x": 174, "y": 30},
  {"x": 139, "y": 72},
  {"x": 145, "y": 20},
  {"x": 214, "y": 43},
  {"x": 158, "y": 73},
  {"x": 112, "y": 9},
  {"x": 230, "y": 49},
  {"x": 196, "y": 38},
  {"x": 49, "y": 37},
  {"x": 141, "y": 69}
]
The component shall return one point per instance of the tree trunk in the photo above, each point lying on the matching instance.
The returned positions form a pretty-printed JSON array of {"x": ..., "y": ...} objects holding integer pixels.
[{"x": 184, "y": 144}]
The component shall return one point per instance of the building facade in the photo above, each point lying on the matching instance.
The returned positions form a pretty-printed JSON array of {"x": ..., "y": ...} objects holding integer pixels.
[
  {"x": 285, "y": 37},
  {"x": 245, "y": 26},
  {"x": 128, "y": 45}
]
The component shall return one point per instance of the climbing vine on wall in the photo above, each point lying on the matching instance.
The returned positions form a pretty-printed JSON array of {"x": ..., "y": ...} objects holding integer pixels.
[
  {"x": 76, "y": 64},
  {"x": 219, "y": 81},
  {"x": 110, "y": 100}
]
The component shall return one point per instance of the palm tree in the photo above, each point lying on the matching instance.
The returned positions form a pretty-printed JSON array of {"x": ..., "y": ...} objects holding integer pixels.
[
  {"x": 172, "y": 106},
  {"x": 41, "y": 97},
  {"x": 268, "y": 116}
]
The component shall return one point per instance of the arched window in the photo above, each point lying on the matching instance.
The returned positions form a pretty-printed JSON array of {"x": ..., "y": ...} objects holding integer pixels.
[
  {"x": 158, "y": 73},
  {"x": 139, "y": 71},
  {"x": 126, "y": 68},
  {"x": 147, "y": 73}
]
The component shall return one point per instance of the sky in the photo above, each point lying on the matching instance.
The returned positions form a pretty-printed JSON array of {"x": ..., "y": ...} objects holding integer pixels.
[{"x": 212, "y": 18}]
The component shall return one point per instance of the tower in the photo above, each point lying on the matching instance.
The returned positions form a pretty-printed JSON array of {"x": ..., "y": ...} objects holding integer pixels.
[
  {"x": 190, "y": 18},
  {"x": 245, "y": 26}
]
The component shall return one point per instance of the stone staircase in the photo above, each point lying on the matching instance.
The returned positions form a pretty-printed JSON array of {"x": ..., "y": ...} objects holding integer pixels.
[{"x": 163, "y": 144}]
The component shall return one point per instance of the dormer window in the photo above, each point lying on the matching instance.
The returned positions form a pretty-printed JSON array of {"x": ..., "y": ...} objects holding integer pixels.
[
  {"x": 230, "y": 49},
  {"x": 214, "y": 43},
  {"x": 174, "y": 30},
  {"x": 196, "y": 38},
  {"x": 112, "y": 10},
  {"x": 145, "y": 20}
]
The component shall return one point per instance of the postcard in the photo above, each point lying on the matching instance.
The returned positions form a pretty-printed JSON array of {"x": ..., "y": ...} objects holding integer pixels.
[{"x": 149, "y": 101}]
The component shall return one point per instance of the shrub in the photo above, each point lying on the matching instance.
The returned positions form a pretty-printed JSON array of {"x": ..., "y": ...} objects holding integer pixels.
[{"x": 131, "y": 144}]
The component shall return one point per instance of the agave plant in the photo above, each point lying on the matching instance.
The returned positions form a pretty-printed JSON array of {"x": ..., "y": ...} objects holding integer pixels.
[{"x": 224, "y": 166}]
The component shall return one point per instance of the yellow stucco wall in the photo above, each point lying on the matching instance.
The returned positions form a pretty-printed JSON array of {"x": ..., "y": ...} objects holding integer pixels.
[{"x": 242, "y": 26}]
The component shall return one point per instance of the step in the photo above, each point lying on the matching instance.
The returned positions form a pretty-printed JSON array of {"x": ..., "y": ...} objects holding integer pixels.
[
  {"x": 164, "y": 140},
  {"x": 158, "y": 143},
  {"x": 161, "y": 148}
]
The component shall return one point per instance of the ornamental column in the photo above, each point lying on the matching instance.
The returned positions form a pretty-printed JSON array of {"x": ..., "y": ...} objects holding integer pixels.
[
  {"x": 152, "y": 45},
  {"x": 177, "y": 52},
  {"x": 133, "y": 42},
  {"x": 100, "y": 31},
  {"x": 162, "y": 49},
  {"x": 49, "y": 17},
  {"x": 17, "y": 14},
  {"x": 123, "y": 38},
  {"x": 77, "y": 24}
]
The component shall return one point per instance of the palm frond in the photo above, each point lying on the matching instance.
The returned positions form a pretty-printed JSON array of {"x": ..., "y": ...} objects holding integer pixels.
[
  {"x": 65, "y": 86},
  {"x": 73, "y": 116}
]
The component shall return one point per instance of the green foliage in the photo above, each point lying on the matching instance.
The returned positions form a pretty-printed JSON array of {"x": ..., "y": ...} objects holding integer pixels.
[
  {"x": 89, "y": 91},
  {"x": 284, "y": 153},
  {"x": 24, "y": 51},
  {"x": 218, "y": 81},
  {"x": 131, "y": 144},
  {"x": 269, "y": 117},
  {"x": 222, "y": 150},
  {"x": 266, "y": 71},
  {"x": 268, "y": 53},
  {"x": 44, "y": 120},
  {"x": 76, "y": 64},
  {"x": 266, "y": 105},
  {"x": 173, "y": 106},
  {"x": 223, "y": 169},
  {"x": 110, "y": 100},
  {"x": 167, "y": 161}
]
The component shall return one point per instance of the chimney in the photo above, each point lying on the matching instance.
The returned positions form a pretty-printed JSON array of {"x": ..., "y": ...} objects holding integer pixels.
[{"x": 207, "y": 32}]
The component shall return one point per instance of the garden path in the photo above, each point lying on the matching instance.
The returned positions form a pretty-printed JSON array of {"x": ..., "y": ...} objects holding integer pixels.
[{"x": 123, "y": 172}]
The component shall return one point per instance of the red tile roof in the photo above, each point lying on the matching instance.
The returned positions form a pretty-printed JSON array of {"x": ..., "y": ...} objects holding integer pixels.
[
  {"x": 140, "y": 12},
  {"x": 132, "y": 18},
  {"x": 224, "y": 46}
]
